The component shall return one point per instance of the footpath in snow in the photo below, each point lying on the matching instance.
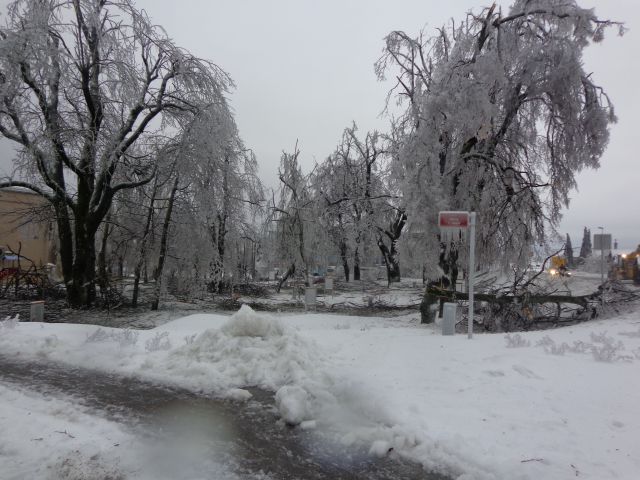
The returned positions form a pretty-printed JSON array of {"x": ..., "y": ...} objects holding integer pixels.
[{"x": 555, "y": 404}]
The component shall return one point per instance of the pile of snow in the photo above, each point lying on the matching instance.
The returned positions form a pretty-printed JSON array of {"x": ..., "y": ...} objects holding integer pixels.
[
  {"x": 248, "y": 323},
  {"x": 250, "y": 350}
]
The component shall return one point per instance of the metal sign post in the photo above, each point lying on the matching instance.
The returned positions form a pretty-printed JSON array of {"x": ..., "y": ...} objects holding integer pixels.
[
  {"x": 453, "y": 226},
  {"x": 472, "y": 270},
  {"x": 602, "y": 242}
]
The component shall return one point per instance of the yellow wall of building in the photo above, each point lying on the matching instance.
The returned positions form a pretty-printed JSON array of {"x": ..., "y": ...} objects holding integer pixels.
[{"x": 25, "y": 227}]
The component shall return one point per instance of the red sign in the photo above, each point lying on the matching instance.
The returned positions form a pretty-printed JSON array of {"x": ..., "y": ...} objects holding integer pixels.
[{"x": 453, "y": 219}]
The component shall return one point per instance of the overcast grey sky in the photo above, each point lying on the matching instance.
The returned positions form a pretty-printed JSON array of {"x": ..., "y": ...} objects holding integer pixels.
[{"x": 304, "y": 70}]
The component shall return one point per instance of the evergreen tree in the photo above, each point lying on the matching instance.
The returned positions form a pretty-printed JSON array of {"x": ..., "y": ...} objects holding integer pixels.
[
  {"x": 585, "y": 247},
  {"x": 568, "y": 251}
]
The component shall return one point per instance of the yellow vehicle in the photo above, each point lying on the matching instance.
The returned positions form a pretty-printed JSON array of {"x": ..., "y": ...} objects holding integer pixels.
[
  {"x": 626, "y": 266},
  {"x": 559, "y": 266}
]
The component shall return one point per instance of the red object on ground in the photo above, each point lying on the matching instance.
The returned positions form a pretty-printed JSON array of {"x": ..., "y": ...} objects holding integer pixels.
[{"x": 7, "y": 272}]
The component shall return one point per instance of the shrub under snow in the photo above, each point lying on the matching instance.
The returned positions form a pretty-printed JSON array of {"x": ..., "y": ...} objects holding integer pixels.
[
  {"x": 9, "y": 322},
  {"x": 516, "y": 341}
]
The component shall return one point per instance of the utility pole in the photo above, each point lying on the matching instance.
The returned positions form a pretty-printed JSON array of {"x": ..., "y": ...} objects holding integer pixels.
[
  {"x": 472, "y": 270},
  {"x": 602, "y": 261}
]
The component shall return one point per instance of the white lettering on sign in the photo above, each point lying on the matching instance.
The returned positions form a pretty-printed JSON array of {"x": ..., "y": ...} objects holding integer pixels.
[{"x": 453, "y": 219}]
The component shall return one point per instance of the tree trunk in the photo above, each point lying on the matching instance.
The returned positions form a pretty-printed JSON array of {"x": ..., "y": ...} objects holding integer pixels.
[
  {"x": 219, "y": 232},
  {"x": 356, "y": 264},
  {"x": 65, "y": 240},
  {"x": 433, "y": 294},
  {"x": 290, "y": 271},
  {"x": 103, "y": 279},
  {"x": 143, "y": 246},
  {"x": 345, "y": 259},
  {"x": 83, "y": 289},
  {"x": 391, "y": 260},
  {"x": 356, "y": 251},
  {"x": 391, "y": 254},
  {"x": 157, "y": 273}
]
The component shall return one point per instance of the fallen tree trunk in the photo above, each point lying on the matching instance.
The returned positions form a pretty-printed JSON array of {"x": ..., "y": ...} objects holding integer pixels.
[{"x": 434, "y": 294}]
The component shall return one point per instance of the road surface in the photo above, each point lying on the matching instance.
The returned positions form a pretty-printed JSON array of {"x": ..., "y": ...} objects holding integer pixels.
[{"x": 245, "y": 435}]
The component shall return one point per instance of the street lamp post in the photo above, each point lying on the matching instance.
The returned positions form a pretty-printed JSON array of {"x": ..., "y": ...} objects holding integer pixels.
[{"x": 602, "y": 261}]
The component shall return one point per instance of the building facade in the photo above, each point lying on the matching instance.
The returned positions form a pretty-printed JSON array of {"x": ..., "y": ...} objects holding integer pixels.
[{"x": 27, "y": 230}]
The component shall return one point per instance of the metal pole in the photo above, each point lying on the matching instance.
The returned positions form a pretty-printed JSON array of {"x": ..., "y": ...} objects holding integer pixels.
[
  {"x": 602, "y": 261},
  {"x": 472, "y": 269}
]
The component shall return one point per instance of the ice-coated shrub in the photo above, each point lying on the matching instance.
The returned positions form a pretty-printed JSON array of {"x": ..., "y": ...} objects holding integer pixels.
[
  {"x": 126, "y": 337},
  {"x": 558, "y": 349},
  {"x": 10, "y": 323},
  {"x": 580, "y": 347},
  {"x": 608, "y": 351},
  {"x": 189, "y": 339},
  {"x": 635, "y": 334},
  {"x": 99, "y": 335},
  {"x": 603, "y": 348},
  {"x": 600, "y": 337},
  {"x": 544, "y": 341},
  {"x": 516, "y": 341},
  {"x": 160, "y": 341},
  {"x": 550, "y": 346}
]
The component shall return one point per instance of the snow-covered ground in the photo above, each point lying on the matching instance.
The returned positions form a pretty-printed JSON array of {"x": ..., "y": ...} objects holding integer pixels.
[
  {"x": 55, "y": 438},
  {"x": 555, "y": 404}
]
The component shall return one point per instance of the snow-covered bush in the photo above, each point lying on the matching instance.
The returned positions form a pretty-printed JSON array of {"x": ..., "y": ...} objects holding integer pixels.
[
  {"x": 600, "y": 337},
  {"x": 10, "y": 323},
  {"x": 557, "y": 349},
  {"x": 550, "y": 346},
  {"x": 99, "y": 335},
  {"x": 160, "y": 341},
  {"x": 608, "y": 352},
  {"x": 635, "y": 334},
  {"x": 126, "y": 337},
  {"x": 189, "y": 339},
  {"x": 516, "y": 341},
  {"x": 603, "y": 348},
  {"x": 608, "y": 349},
  {"x": 580, "y": 347}
]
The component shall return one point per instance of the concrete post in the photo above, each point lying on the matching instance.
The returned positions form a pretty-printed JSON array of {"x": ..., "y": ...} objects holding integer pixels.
[{"x": 37, "y": 311}]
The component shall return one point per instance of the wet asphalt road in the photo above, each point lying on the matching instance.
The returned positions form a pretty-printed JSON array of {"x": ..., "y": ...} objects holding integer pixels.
[{"x": 247, "y": 436}]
